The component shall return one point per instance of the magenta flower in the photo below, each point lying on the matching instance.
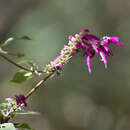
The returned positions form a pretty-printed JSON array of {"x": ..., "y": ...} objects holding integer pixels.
[
  {"x": 88, "y": 63},
  {"x": 74, "y": 51},
  {"x": 90, "y": 53},
  {"x": 60, "y": 65},
  {"x": 87, "y": 43},
  {"x": 21, "y": 99},
  {"x": 116, "y": 41},
  {"x": 103, "y": 58},
  {"x": 70, "y": 37},
  {"x": 112, "y": 39},
  {"x": 91, "y": 44}
]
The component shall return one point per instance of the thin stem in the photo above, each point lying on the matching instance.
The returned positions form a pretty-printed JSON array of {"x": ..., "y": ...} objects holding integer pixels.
[
  {"x": 14, "y": 54},
  {"x": 14, "y": 63},
  {"x": 38, "y": 85}
]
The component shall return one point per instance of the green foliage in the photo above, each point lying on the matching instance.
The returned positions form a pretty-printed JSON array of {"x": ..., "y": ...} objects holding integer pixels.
[
  {"x": 1, "y": 117},
  {"x": 24, "y": 126},
  {"x": 25, "y": 38},
  {"x": 7, "y": 126},
  {"x": 32, "y": 65},
  {"x": 27, "y": 62},
  {"x": 9, "y": 40},
  {"x": 19, "y": 55},
  {"x": 28, "y": 113},
  {"x": 21, "y": 76},
  {"x": 2, "y": 51},
  {"x": 3, "y": 105}
]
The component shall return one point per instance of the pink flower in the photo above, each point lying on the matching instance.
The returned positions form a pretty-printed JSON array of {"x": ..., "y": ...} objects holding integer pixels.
[
  {"x": 57, "y": 58},
  {"x": 103, "y": 58},
  {"x": 112, "y": 39},
  {"x": 81, "y": 46},
  {"x": 70, "y": 37},
  {"x": 88, "y": 63},
  {"x": 74, "y": 51},
  {"x": 90, "y": 37},
  {"x": 90, "y": 53},
  {"x": 21, "y": 99},
  {"x": 116, "y": 41},
  {"x": 91, "y": 44},
  {"x": 60, "y": 65}
]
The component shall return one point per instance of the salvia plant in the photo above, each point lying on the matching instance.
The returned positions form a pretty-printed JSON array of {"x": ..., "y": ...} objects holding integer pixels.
[{"x": 84, "y": 42}]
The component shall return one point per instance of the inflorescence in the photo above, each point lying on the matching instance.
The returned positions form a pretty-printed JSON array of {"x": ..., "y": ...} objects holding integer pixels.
[
  {"x": 87, "y": 43},
  {"x": 13, "y": 105}
]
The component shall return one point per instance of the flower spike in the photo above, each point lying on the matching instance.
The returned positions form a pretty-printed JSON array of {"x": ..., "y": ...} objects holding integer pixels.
[{"x": 87, "y": 43}]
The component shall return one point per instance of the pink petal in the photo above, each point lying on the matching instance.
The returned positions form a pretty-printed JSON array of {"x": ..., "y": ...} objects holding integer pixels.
[
  {"x": 103, "y": 58},
  {"x": 74, "y": 51},
  {"x": 88, "y": 63},
  {"x": 60, "y": 65},
  {"x": 70, "y": 37}
]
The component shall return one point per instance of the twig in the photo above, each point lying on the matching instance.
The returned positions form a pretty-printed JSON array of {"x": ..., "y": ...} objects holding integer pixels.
[
  {"x": 14, "y": 54},
  {"x": 38, "y": 85},
  {"x": 17, "y": 65},
  {"x": 30, "y": 93}
]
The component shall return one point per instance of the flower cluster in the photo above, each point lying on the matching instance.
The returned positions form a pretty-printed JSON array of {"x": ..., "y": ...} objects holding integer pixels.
[
  {"x": 9, "y": 107},
  {"x": 12, "y": 105},
  {"x": 87, "y": 43},
  {"x": 21, "y": 100},
  {"x": 65, "y": 54}
]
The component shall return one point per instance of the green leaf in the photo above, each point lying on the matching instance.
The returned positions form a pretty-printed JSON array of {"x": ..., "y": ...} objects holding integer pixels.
[
  {"x": 24, "y": 126},
  {"x": 19, "y": 55},
  {"x": 1, "y": 116},
  {"x": 7, "y": 126},
  {"x": 28, "y": 113},
  {"x": 21, "y": 76},
  {"x": 2, "y": 51},
  {"x": 25, "y": 38},
  {"x": 7, "y": 42},
  {"x": 26, "y": 62},
  {"x": 2, "y": 105}
]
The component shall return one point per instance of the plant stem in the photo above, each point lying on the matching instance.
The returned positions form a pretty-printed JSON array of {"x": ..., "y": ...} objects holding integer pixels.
[
  {"x": 14, "y": 54},
  {"x": 38, "y": 85},
  {"x": 21, "y": 67},
  {"x": 14, "y": 63}
]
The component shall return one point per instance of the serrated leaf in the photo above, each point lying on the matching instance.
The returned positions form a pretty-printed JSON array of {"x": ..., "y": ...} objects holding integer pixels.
[
  {"x": 28, "y": 113},
  {"x": 21, "y": 76}
]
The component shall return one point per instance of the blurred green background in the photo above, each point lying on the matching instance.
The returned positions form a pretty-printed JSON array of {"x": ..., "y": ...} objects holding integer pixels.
[{"x": 76, "y": 100}]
